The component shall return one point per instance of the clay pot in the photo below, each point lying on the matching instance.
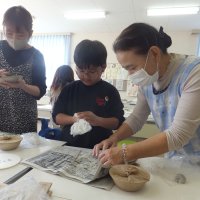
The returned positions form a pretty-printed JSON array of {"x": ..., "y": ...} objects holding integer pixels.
[
  {"x": 129, "y": 177},
  {"x": 9, "y": 142}
]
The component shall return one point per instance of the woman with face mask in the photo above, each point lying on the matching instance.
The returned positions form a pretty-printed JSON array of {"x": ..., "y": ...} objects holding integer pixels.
[
  {"x": 22, "y": 73},
  {"x": 169, "y": 88}
]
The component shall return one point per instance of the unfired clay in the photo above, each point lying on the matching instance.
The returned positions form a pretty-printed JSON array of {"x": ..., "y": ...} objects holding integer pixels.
[{"x": 129, "y": 177}]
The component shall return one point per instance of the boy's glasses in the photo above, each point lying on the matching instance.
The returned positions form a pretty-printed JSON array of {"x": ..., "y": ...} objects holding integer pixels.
[{"x": 88, "y": 72}]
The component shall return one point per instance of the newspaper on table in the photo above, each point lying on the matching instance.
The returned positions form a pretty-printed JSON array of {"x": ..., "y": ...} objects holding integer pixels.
[{"x": 71, "y": 162}]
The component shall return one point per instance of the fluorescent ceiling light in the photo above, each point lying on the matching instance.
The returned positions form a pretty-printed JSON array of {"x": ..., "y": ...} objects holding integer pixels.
[
  {"x": 85, "y": 14},
  {"x": 172, "y": 11}
]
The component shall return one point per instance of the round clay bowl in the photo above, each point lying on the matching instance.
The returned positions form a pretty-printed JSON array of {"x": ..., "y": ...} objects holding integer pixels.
[
  {"x": 9, "y": 142},
  {"x": 129, "y": 178}
]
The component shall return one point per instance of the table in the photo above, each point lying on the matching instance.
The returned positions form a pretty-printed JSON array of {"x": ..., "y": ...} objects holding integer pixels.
[
  {"x": 160, "y": 186},
  {"x": 26, "y": 153},
  {"x": 156, "y": 189}
]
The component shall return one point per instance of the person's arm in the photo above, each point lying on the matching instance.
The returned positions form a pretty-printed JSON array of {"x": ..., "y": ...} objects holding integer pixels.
[
  {"x": 123, "y": 132},
  {"x": 30, "y": 89},
  {"x": 113, "y": 114},
  {"x": 21, "y": 84},
  {"x": 38, "y": 87},
  {"x": 3, "y": 73},
  {"x": 60, "y": 112},
  {"x": 153, "y": 146},
  {"x": 186, "y": 121},
  {"x": 63, "y": 119},
  {"x": 131, "y": 125},
  {"x": 108, "y": 122},
  {"x": 187, "y": 117}
]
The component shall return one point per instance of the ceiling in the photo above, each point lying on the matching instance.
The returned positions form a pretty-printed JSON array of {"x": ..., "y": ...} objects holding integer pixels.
[{"x": 49, "y": 14}]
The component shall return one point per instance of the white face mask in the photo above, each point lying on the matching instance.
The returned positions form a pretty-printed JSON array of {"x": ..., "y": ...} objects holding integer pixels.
[
  {"x": 17, "y": 44},
  {"x": 141, "y": 77}
]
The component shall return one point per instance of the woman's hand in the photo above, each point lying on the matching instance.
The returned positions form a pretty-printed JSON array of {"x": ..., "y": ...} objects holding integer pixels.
[
  {"x": 103, "y": 145},
  {"x": 7, "y": 85},
  {"x": 111, "y": 156},
  {"x": 3, "y": 72}
]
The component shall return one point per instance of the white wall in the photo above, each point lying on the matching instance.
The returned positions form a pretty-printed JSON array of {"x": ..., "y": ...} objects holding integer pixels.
[
  {"x": 106, "y": 38},
  {"x": 183, "y": 43}
]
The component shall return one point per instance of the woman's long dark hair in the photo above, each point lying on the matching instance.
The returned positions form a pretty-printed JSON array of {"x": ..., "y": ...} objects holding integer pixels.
[{"x": 64, "y": 75}]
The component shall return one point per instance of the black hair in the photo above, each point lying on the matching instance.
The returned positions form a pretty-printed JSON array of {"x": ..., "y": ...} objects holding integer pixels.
[
  {"x": 63, "y": 76},
  {"x": 140, "y": 37},
  {"x": 19, "y": 17},
  {"x": 90, "y": 53}
]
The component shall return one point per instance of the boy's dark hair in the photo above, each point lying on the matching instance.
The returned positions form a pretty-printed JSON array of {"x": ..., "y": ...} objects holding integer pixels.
[
  {"x": 18, "y": 16},
  {"x": 90, "y": 53},
  {"x": 63, "y": 75},
  {"x": 140, "y": 37}
]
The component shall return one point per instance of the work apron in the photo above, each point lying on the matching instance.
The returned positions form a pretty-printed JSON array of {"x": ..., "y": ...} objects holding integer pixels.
[{"x": 18, "y": 109}]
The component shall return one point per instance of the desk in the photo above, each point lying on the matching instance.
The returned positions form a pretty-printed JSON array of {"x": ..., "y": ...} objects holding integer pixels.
[
  {"x": 160, "y": 186},
  {"x": 26, "y": 153},
  {"x": 156, "y": 189}
]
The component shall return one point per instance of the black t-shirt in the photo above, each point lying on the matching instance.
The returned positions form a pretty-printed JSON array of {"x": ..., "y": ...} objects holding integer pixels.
[{"x": 102, "y": 99}]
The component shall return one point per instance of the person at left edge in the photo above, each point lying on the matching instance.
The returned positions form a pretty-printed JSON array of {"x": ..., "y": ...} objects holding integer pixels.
[{"x": 18, "y": 105}]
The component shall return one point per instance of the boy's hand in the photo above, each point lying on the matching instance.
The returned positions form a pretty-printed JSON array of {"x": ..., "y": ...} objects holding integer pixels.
[{"x": 90, "y": 117}]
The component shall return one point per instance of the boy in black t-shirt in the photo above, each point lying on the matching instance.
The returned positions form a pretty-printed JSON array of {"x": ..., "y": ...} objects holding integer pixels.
[{"x": 91, "y": 98}]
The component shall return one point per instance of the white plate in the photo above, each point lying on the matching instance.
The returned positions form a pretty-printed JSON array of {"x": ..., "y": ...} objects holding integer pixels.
[{"x": 8, "y": 160}]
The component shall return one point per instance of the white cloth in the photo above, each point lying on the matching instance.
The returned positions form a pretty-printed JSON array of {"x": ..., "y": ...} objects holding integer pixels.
[{"x": 80, "y": 127}]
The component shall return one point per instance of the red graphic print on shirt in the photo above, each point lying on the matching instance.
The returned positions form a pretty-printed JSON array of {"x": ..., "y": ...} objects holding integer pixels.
[{"x": 102, "y": 101}]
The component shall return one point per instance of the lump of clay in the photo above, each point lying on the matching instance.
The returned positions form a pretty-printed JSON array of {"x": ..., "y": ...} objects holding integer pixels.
[
  {"x": 129, "y": 177},
  {"x": 11, "y": 77}
]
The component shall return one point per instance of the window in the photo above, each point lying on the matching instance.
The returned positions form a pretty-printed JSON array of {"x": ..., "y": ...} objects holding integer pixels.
[
  {"x": 1, "y": 35},
  {"x": 198, "y": 48},
  {"x": 56, "y": 52}
]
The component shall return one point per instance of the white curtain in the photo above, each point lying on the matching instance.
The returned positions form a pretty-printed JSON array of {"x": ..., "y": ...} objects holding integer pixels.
[
  {"x": 56, "y": 52},
  {"x": 198, "y": 50},
  {"x": 1, "y": 35}
]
